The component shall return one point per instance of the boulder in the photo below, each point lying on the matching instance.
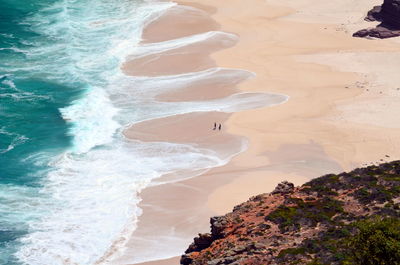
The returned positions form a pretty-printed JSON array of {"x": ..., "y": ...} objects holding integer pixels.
[
  {"x": 218, "y": 224},
  {"x": 378, "y": 32},
  {"x": 374, "y": 14},
  {"x": 284, "y": 187},
  {"x": 383, "y": 33},
  {"x": 186, "y": 260},
  {"x": 201, "y": 242},
  {"x": 361, "y": 33}
]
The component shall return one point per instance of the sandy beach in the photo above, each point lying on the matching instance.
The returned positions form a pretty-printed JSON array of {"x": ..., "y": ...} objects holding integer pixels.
[{"x": 341, "y": 113}]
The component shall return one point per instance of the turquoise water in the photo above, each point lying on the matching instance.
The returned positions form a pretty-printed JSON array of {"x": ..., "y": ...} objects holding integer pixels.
[
  {"x": 30, "y": 101},
  {"x": 30, "y": 120},
  {"x": 52, "y": 55}
]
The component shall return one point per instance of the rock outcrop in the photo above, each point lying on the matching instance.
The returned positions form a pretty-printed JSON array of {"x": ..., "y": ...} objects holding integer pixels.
[
  {"x": 390, "y": 13},
  {"x": 389, "y": 16},
  {"x": 310, "y": 224},
  {"x": 378, "y": 32},
  {"x": 374, "y": 14},
  {"x": 284, "y": 187}
]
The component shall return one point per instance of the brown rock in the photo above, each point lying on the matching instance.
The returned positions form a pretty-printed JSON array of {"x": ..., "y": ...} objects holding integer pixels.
[
  {"x": 284, "y": 187},
  {"x": 378, "y": 32},
  {"x": 383, "y": 33},
  {"x": 186, "y": 260},
  {"x": 201, "y": 242},
  {"x": 218, "y": 224},
  {"x": 374, "y": 14},
  {"x": 361, "y": 33}
]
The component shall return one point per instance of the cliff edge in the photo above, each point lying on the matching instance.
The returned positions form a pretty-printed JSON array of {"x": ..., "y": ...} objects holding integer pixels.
[{"x": 348, "y": 218}]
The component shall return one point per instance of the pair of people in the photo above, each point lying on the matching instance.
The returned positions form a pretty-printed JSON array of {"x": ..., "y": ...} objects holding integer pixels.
[{"x": 215, "y": 126}]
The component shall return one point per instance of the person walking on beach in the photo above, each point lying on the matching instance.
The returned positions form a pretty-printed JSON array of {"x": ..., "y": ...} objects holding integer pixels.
[
  {"x": 215, "y": 126},
  {"x": 219, "y": 127}
]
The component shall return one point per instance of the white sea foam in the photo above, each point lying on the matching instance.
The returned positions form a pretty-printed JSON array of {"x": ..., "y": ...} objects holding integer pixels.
[
  {"x": 13, "y": 49},
  {"x": 147, "y": 88},
  {"x": 92, "y": 188},
  {"x": 8, "y": 83},
  {"x": 16, "y": 93},
  {"x": 153, "y": 109},
  {"x": 16, "y": 141},
  {"x": 91, "y": 114},
  {"x": 18, "y": 205},
  {"x": 93, "y": 197},
  {"x": 224, "y": 40}
]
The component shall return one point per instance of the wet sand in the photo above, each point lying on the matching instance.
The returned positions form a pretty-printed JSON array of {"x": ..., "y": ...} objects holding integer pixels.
[
  {"x": 336, "y": 118},
  {"x": 173, "y": 212},
  {"x": 177, "y": 22},
  {"x": 185, "y": 56},
  {"x": 201, "y": 128},
  {"x": 221, "y": 83}
]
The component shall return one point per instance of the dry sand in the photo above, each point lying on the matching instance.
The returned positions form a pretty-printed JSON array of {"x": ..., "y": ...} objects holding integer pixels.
[{"x": 342, "y": 111}]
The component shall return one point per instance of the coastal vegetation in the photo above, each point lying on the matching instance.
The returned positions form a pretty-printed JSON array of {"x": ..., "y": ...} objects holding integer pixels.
[{"x": 346, "y": 218}]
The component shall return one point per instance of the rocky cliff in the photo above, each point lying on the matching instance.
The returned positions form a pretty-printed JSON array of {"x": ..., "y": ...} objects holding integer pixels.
[
  {"x": 389, "y": 16},
  {"x": 316, "y": 223}
]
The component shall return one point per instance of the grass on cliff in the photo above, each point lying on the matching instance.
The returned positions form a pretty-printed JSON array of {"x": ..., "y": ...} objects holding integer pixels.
[
  {"x": 371, "y": 184},
  {"x": 369, "y": 242},
  {"x": 308, "y": 213}
]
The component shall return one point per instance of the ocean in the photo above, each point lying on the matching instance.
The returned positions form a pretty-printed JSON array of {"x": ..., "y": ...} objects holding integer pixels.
[
  {"x": 69, "y": 179},
  {"x": 59, "y": 199}
]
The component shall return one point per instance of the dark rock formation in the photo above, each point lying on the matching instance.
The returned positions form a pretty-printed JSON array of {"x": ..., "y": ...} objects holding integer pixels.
[
  {"x": 389, "y": 16},
  {"x": 218, "y": 224},
  {"x": 201, "y": 242},
  {"x": 362, "y": 33},
  {"x": 390, "y": 13},
  {"x": 284, "y": 187},
  {"x": 378, "y": 32},
  {"x": 311, "y": 224},
  {"x": 374, "y": 14}
]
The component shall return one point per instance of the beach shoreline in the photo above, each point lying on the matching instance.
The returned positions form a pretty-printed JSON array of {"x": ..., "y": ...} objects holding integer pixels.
[{"x": 316, "y": 132}]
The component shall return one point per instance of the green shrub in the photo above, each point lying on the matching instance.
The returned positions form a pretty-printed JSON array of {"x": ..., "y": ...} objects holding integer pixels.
[
  {"x": 305, "y": 213},
  {"x": 377, "y": 243},
  {"x": 292, "y": 251}
]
